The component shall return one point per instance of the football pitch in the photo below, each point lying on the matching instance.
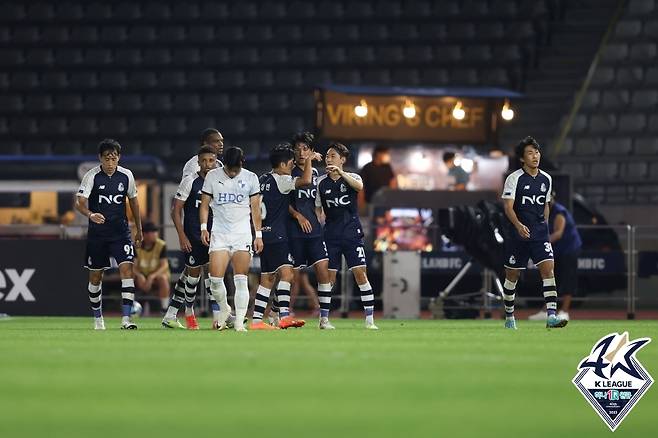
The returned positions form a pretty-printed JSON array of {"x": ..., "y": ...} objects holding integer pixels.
[{"x": 59, "y": 378}]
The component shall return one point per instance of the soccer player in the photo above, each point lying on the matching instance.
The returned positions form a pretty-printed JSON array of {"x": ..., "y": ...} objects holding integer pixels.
[
  {"x": 213, "y": 138},
  {"x": 343, "y": 233},
  {"x": 187, "y": 200},
  {"x": 567, "y": 244},
  {"x": 526, "y": 195},
  {"x": 233, "y": 193},
  {"x": 306, "y": 241},
  {"x": 275, "y": 187},
  {"x": 209, "y": 137},
  {"x": 102, "y": 198}
]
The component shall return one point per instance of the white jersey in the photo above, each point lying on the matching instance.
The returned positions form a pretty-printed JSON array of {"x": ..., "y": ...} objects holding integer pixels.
[
  {"x": 192, "y": 167},
  {"x": 231, "y": 199}
]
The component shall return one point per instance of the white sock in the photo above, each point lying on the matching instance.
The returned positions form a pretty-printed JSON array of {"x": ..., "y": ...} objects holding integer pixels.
[
  {"x": 370, "y": 319},
  {"x": 218, "y": 290},
  {"x": 241, "y": 299},
  {"x": 172, "y": 312}
]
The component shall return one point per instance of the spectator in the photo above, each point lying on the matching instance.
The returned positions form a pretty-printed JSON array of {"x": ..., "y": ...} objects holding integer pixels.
[
  {"x": 566, "y": 244},
  {"x": 151, "y": 266},
  {"x": 377, "y": 174},
  {"x": 459, "y": 176}
]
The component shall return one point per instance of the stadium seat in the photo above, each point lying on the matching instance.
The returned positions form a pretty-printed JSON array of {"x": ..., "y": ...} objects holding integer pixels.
[
  {"x": 67, "y": 147},
  {"x": 615, "y": 53},
  {"x": 378, "y": 77},
  {"x": 259, "y": 79},
  {"x": 112, "y": 35},
  {"x": 653, "y": 171},
  {"x": 83, "y": 126},
  {"x": 26, "y": 35},
  {"x": 288, "y": 79},
  {"x": 651, "y": 29},
  {"x": 139, "y": 125},
  {"x": 651, "y": 76},
  {"x": 393, "y": 54},
  {"x": 127, "y": 103},
  {"x": 419, "y": 54},
  {"x": 640, "y": 7},
  {"x": 156, "y": 56},
  {"x": 588, "y": 146},
  {"x": 41, "y": 58},
  {"x": 575, "y": 169},
  {"x": 200, "y": 34},
  {"x": 83, "y": 35},
  {"x": 615, "y": 99},
  {"x": 302, "y": 102},
  {"x": 54, "y": 126},
  {"x": 632, "y": 123},
  {"x": 628, "y": 29},
  {"x": 653, "y": 123},
  {"x": 643, "y": 53},
  {"x": 186, "y": 11},
  {"x": 37, "y": 148},
  {"x": 244, "y": 102},
  {"x": 142, "y": 80},
  {"x": 603, "y": 76},
  {"x": 602, "y": 123},
  {"x": 98, "y": 103},
  {"x": 630, "y": 76},
  {"x": 186, "y": 102},
  {"x": 112, "y": 127},
  {"x": 405, "y": 77},
  {"x": 160, "y": 102},
  {"x": 634, "y": 170},
  {"x": 617, "y": 145},
  {"x": 604, "y": 170},
  {"x": 172, "y": 126},
  {"x": 38, "y": 103},
  {"x": 11, "y": 103},
  {"x": 275, "y": 56},
  {"x": 260, "y": 126},
  {"x": 591, "y": 100},
  {"x": 112, "y": 80},
  {"x": 68, "y": 103},
  {"x": 128, "y": 57},
  {"x": 127, "y": 11},
  {"x": 274, "y": 102},
  {"x": 645, "y": 99},
  {"x": 646, "y": 146},
  {"x": 172, "y": 79}
]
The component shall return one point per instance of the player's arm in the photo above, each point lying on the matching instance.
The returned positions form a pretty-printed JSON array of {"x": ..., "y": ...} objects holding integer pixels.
[
  {"x": 176, "y": 217},
  {"x": 559, "y": 224},
  {"x": 319, "y": 212},
  {"x": 301, "y": 220},
  {"x": 353, "y": 180},
  {"x": 203, "y": 218},
  {"x": 134, "y": 207},
  {"x": 511, "y": 215},
  {"x": 254, "y": 202},
  {"x": 307, "y": 176},
  {"x": 81, "y": 205}
]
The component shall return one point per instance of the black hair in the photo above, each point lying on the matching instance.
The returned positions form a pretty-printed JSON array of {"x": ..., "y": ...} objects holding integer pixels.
[
  {"x": 206, "y": 149},
  {"x": 233, "y": 157},
  {"x": 380, "y": 150},
  {"x": 281, "y": 153},
  {"x": 109, "y": 144},
  {"x": 303, "y": 137},
  {"x": 447, "y": 156},
  {"x": 340, "y": 148},
  {"x": 528, "y": 141},
  {"x": 207, "y": 133}
]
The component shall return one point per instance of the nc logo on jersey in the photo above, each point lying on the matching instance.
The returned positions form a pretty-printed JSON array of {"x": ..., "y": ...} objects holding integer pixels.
[
  {"x": 120, "y": 188},
  {"x": 110, "y": 199},
  {"x": 534, "y": 199},
  {"x": 612, "y": 379},
  {"x": 512, "y": 260},
  {"x": 543, "y": 188},
  {"x": 343, "y": 200}
]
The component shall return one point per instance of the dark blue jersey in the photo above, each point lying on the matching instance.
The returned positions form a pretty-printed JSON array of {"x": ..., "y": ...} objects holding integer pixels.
[
  {"x": 107, "y": 195},
  {"x": 189, "y": 191},
  {"x": 275, "y": 190},
  {"x": 303, "y": 200},
  {"x": 530, "y": 195},
  {"x": 339, "y": 202},
  {"x": 570, "y": 241}
]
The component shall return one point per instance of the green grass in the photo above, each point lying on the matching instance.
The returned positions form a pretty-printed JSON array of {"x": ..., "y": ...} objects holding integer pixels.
[{"x": 59, "y": 378}]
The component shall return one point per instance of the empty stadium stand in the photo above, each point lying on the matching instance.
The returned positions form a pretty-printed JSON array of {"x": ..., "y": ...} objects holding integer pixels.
[
  {"x": 154, "y": 74},
  {"x": 612, "y": 147}
]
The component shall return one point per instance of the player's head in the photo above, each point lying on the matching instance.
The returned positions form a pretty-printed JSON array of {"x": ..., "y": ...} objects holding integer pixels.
[
  {"x": 282, "y": 158},
  {"x": 528, "y": 152},
  {"x": 303, "y": 143},
  {"x": 337, "y": 154},
  {"x": 233, "y": 161},
  {"x": 212, "y": 137},
  {"x": 150, "y": 231},
  {"x": 381, "y": 155},
  {"x": 449, "y": 159},
  {"x": 207, "y": 159},
  {"x": 109, "y": 153}
]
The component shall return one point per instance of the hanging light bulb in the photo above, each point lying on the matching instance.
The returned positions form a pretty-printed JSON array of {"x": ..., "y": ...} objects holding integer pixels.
[
  {"x": 507, "y": 113},
  {"x": 458, "y": 112},
  {"x": 409, "y": 109},
  {"x": 361, "y": 110}
]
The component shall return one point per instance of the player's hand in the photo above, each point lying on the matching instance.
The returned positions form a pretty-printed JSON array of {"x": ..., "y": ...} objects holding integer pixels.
[
  {"x": 316, "y": 156},
  {"x": 138, "y": 238},
  {"x": 97, "y": 218},
  {"x": 185, "y": 244},
  {"x": 205, "y": 237},
  {"x": 523, "y": 231},
  {"x": 333, "y": 169},
  {"x": 304, "y": 223},
  {"x": 258, "y": 245}
]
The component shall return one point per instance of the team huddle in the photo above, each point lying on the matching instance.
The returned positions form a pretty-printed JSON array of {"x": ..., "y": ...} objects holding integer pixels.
[{"x": 229, "y": 213}]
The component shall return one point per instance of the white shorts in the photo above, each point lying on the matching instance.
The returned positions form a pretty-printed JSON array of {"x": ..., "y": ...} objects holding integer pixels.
[{"x": 230, "y": 242}]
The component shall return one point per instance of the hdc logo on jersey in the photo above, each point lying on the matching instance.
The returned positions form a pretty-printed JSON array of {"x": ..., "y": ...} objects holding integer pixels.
[
  {"x": 534, "y": 199},
  {"x": 110, "y": 199},
  {"x": 227, "y": 198},
  {"x": 611, "y": 378},
  {"x": 343, "y": 200}
]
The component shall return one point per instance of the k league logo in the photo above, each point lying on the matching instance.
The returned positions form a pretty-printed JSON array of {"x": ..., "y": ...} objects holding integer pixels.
[{"x": 612, "y": 379}]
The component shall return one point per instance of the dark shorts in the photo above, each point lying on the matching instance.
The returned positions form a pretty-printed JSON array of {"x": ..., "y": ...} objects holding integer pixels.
[
  {"x": 566, "y": 273},
  {"x": 517, "y": 252},
  {"x": 352, "y": 249},
  {"x": 99, "y": 252},
  {"x": 199, "y": 255},
  {"x": 308, "y": 251},
  {"x": 274, "y": 256}
]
